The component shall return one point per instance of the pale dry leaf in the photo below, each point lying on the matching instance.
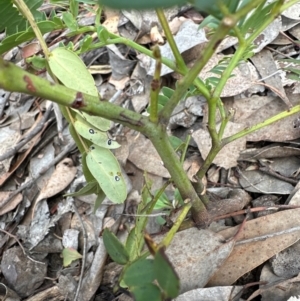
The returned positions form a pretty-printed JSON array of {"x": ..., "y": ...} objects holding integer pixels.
[
  {"x": 265, "y": 64},
  {"x": 277, "y": 288},
  {"x": 176, "y": 23},
  {"x": 247, "y": 256},
  {"x": 242, "y": 78},
  {"x": 279, "y": 131},
  {"x": 12, "y": 204},
  {"x": 260, "y": 182},
  {"x": 229, "y": 154},
  {"x": 111, "y": 24},
  {"x": 156, "y": 36},
  {"x": 8, "y": 139},
  {"x": 145, "y": 157},
  {"x": 220, "y": 293},
  {"x": 196, "y": 255},
  {"x": 62, "y": 176}
]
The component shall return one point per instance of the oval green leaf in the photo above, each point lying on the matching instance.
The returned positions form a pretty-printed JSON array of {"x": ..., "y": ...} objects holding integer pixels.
[
  {"x": 166, "y": 275},
  {"x": 98, "y": 122},
  {"x": 71, "y": 71},
  {"x": 139, "y": 272},
  {"x": 70, "y": 255},
  {"x": 147, "y": 292},
  {"x": 115, "y": 248},
  {"x": 95, "y": 136},
  {"x": 106, "y": 170}
]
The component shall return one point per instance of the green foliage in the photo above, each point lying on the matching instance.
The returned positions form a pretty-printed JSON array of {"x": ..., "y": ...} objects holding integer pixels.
[
  {"x": 16, "y": 26},
  {"x": 115, "y": 248},
  {"x": 12, "y": 21},
  {"x": 105, "y": 168},
  {"x": 139, "y": 272},
  {"x": 69, "y": 255},
  {"x": 165, "y": 275},
  {"x": 291, "y": 68},
  {"x": 102, "y": 164}
]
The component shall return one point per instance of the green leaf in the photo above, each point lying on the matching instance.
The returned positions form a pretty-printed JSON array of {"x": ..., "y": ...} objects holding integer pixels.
[
  {"x": 70, "y": 255},
  {"x": 12, "y": 21},
  {"x": 87, "y": 174},
  {"x": 175, "y": 142},
  {"x": 70, "y": 21},
  {"x": 147, "y": 292},
  {"x": 100, "y": 123},
  {"x": 99, "y": 200},
  {"x": 92, "y": 134},
  {"x": 165, "y": 274},
  {"x": 71, "y": 71},
  {"x": 168, "y": 92},
  {"x": 105, "y": 168},
  {"x": 115, "y": 248},
  {"x": 38, "y": 63},
  {"x": 102, "y": 33},
  {"x": 86, "y": 43},
  {"x": 18, "y": 38},
  {"x": 89, "y": 188},
  {"x": 139, "y": 272}
]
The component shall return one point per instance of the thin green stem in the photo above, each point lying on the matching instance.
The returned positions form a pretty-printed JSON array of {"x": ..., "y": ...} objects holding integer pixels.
[
  {"x": 22, "y": 7},
  {"x": 193, "y": 73},
  {"x": 170, "y": 235},
  {"x": 114, "y": 39},
  {"x": 155, "y": 86},
  {"x": 249, "y": 130},
  {"x": 13, "y": 78},
  {"x": 165, "y": 26},
  {"x": 186, "y": 145}
]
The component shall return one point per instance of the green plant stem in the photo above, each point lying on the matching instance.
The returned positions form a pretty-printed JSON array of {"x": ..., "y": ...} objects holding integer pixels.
[
  {"x": 172, "y": 163},
  {"x": 165, "y": 25},
  {"x": 114, "y": 39},
  {"x": 22, "y": 7},
  {"x": 217, "y": 144},
  {"x": 170, "y": 235},
  {"x": 193, "y": 73},
  {"x": 249, "y": 130},
  {"x": 13, "y": 78},
  {"x": 155, "y": 86}
]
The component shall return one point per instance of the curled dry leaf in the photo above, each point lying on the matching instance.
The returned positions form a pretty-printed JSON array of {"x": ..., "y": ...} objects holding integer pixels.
[{"x": 63, "y": 175}]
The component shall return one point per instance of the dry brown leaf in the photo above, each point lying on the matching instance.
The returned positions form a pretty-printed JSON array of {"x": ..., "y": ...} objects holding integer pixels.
[
  {"x": 196, "y": 255},
  {"x": 144, "y": 156},
  {"x": 12, "y": 204},
  {"x": 247, "y": 256},
  {"x": 253, "y": 110},
  {"x": 63, "y": 175},
  {"x": 21, "y": 158},
  {"x": 30, "y": 49},
  {"x": 229, "y": 154},
  {"x": 155, "y": 36}
]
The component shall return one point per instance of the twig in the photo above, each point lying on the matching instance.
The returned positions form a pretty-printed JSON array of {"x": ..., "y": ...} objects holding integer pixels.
[
  {"x": 256, "y": 209},
  {"x": 57, "y": 159},
  {"x": 265, "y": 236},
  {"x": 30, "y": 135},
  {"x": 17, "y": 240},
  {"x": 84, "y": 250}
]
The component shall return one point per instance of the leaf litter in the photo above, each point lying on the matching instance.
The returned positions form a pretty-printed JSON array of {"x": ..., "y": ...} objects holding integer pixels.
[{"x": 209, "y": 263}]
